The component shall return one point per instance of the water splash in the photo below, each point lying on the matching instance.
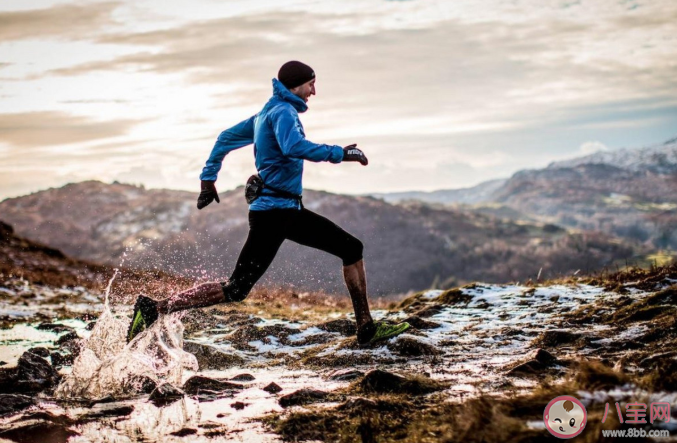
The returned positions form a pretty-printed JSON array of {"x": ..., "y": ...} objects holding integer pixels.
[{"x": 108, "y": 365}]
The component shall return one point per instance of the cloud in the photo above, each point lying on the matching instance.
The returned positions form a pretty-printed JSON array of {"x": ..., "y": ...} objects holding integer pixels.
[
  {"x": 48, "y": 128},
  {"x": 61, "y": 21}
]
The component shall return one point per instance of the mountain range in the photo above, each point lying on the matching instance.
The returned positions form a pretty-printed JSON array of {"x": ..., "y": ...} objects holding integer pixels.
[
  {"x": 407, "y": 246},
  {"x": 629, "y": 193}
]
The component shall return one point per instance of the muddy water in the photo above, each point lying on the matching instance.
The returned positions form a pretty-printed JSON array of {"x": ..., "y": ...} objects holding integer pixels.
[{"x": 476, "y": 336}]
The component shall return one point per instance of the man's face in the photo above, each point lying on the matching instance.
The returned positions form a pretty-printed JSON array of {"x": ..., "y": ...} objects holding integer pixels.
[{"x": 305, "y": 90}]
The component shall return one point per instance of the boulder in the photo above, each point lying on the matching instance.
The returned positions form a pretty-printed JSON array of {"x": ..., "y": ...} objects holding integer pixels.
[
  {"x": 238, "y": 405},
  {"x": 273, "y": 388},
  {"x": 410, "y": 347},
  {"x": 302, "y": 397},
  {"x": 557, "y": 337},
  {"x": 198, "y": 383},
  {"x": 184, "y": 432},
  {"x": 59, "y": 359},
  {"x": 34, "y": 374},
  {"x": 209, "y": 357},
  {"x": 54, "y": 327},
  {"x": 14, "y": 402},
  {"x": 380, "y": 381},
  {"x": 166, "y": 393},
  {"x": 346, "y": 375},
  {"x": 70, "y": 336},
  {"x": 538, "y": 364},
  {"x": 243, "y": 377},
  {"x": 42, "y": 352},
  {"x": 139, "y": 384}
]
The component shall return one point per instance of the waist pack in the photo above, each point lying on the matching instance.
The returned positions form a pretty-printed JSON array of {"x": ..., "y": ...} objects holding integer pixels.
[{"x": 255, "y": 188}]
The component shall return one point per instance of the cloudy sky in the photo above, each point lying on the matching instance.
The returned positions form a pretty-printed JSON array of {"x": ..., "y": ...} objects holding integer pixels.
[{"x": 439, "y": 94}]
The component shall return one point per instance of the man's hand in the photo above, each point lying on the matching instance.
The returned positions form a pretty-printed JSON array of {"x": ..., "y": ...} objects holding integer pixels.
[
  {"x": 352, "y": 154},
  {"x": 208, "y": 194}
]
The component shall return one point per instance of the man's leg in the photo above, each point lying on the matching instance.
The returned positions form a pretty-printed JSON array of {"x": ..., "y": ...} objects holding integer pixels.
[
  {"x": 318, "y": 232},
  {"x": 264, "y": 240},
  {"x": 356, "y": 281},
  {"x": 313, "y": 230}
]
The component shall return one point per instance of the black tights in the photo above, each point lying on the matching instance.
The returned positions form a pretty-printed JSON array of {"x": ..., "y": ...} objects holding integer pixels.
[{"x": 267, "y": 231}]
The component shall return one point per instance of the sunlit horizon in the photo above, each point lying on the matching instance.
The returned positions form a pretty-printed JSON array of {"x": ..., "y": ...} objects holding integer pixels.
[{"x": 439, "y": 95}]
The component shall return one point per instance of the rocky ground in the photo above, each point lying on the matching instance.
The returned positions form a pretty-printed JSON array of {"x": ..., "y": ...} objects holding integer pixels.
[{"x": 480, "y": 364}]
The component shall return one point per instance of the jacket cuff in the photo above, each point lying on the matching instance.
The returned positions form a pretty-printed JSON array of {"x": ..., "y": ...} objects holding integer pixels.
[{"x": 336, "y": 155}]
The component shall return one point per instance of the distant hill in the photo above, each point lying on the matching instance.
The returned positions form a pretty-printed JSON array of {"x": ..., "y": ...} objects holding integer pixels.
[
  {"x": 36, "y": 263},
  {"x": 407, "y": 247},
  {"x": 630, "y": 193},
  {"x": 476, "y": 194}
]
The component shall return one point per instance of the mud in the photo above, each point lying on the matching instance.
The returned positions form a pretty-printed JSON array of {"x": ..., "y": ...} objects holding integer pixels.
[{"x": 480, "y": 364}]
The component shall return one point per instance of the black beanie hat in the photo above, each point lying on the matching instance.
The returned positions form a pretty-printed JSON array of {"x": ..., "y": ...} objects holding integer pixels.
[{"x": 293, "y": 74}]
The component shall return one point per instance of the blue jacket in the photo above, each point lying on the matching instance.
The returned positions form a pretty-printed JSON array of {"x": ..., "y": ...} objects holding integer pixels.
[{"x": 280, "y": 146}]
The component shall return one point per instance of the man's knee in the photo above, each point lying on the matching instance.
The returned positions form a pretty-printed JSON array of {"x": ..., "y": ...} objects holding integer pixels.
[
  {"x": 354, "y": 251},
  {"x": 233, "y": 292}
]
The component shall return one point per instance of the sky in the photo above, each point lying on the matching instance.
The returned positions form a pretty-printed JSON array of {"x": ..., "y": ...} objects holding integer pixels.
[{"x": 438, "y": 94}]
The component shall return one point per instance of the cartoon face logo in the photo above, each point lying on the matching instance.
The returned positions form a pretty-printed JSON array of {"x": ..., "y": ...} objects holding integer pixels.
[{"x": 565, "y": 416}]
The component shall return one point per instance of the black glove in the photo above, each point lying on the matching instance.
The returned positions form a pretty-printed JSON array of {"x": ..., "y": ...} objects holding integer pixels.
[
  {"x": 352, "y": 154},
  {"x": 208, "y": 194}
]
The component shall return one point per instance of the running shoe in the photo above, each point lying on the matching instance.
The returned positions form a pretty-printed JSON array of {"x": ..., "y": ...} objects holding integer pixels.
[
  {"x": 375, "y": 332},
  {"x": 145, "y": 313}
]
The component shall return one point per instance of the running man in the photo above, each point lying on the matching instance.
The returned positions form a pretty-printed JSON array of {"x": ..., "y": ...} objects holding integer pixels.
[{"x": 277, "y": 213}]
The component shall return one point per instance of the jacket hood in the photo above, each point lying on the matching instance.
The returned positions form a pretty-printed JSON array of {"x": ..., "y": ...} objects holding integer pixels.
[{"x": 280, "y": 91}]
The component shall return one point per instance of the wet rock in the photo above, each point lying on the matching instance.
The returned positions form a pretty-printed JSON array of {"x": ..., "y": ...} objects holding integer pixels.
[
  {"x": 67, "y": 337},
  {"x": 54, "y": 327},
  {"x": 273, "y": 388},
  {"x": 209, "y": 357},
  {"x": 238, "y": 405},
  {"x": 429, "y": 311},
  {"x": 165, "y": 393},
  {"x": 540, "y": 361},
  {"x": 184, "y": 432},
  {"x": 34, "y": 374},
  {"x": 419, "y": 323},
  {"x": 557, "y": 337},
  {"x": 346, "y": 375},
  {"x": 139, "y": 384},
  {"x": 410, "y": 347},
  {"x": 14, "y": 402},
  {"x": 39, "y": 432},
  {"x": 527, "y": 369},
  {"x": 198, "y": 383},
  {"x": 243, "y": 377},
  {"x": 544, "y": 357},
  {"x": 118, "y": 411},
  {"x": 42, "y": 352},
  {"x": 386, "y": 382},
  {"x": 302, "y": 397},
  {"x": 343, "y": 326},
  {"x": 59, "y": 359}
]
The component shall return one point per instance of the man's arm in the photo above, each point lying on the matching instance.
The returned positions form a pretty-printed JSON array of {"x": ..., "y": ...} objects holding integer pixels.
[
  {"x": 229, "y": 140},
  {"x": 294, "y": 144}
]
